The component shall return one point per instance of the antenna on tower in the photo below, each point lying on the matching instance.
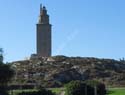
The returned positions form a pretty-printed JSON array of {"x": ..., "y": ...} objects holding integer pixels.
[{"x": 40, "y": 7}]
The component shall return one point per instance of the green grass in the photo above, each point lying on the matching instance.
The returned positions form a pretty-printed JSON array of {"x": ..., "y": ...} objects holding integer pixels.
[
  {"x": 112, "y": 91},
  {"x": 57, "y": 90},
  {"x": 116, "y": 91},
  {"x": 15, "y": 92}
]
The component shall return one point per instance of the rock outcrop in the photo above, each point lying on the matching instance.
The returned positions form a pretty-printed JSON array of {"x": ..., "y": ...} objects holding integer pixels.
[{"x": 58, "y": 70}]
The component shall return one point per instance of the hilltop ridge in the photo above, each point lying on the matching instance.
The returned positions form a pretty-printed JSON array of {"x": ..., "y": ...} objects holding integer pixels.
[{"x": 58, "y": 70}]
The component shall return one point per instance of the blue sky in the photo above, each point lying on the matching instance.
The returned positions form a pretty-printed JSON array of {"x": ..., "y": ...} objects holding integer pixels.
[{"x": 88, "y": 28}]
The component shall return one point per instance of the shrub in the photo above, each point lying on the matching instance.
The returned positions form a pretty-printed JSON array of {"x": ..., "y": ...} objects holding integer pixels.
[
  {"x": 101, "y": 89},
  {"x": 75, "y": 88},
  {"x": 85, "y": 88},
  {"x": 6, "y": 73},
  {"x": 93, "y": 84}
]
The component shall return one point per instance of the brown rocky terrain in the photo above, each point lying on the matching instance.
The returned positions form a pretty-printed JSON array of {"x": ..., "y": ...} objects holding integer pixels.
[{"x": 58, "y": 70}]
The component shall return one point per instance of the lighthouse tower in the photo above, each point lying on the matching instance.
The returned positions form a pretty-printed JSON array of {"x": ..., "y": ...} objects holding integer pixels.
[{"x": 43, "y": 34}]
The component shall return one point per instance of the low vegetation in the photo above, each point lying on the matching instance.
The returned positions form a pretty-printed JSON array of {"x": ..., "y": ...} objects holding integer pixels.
[
  {"x": 85, "y": 88},
  {"x": 6, "y": 73},
  {"x": 116, "y": 91},
  {"x": 57, "y": 91},
  {"x": 41, "y": 91}
]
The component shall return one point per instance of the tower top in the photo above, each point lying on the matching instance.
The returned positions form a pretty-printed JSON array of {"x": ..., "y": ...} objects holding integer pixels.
[
  {"x": 43, "y": 10},
  {"x": 44, "y": 17}
]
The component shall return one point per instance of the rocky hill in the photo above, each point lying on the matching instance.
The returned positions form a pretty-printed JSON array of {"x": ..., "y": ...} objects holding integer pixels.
[{"x": 58, "y": 70}]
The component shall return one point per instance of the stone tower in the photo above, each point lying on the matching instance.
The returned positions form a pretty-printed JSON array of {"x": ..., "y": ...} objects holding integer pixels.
[{"x": 43, "y": 34}]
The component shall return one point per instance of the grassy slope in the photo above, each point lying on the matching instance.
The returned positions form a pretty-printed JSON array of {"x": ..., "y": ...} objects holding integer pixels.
[
  {"x": 116, "y": 91},
  {"x": 57, "y": 90},
  {"x": 112, "y": 91},
  {"x": 15, "y": 92}
]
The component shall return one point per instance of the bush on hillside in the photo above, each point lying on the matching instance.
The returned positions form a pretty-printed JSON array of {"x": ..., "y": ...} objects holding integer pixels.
[
  {"x": 85, "y": 88},
  {"x": 6, "y": 73},
  {"x": 75, "y": 88},
  {"x": 100, "y": 87}
]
